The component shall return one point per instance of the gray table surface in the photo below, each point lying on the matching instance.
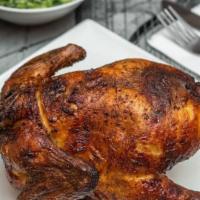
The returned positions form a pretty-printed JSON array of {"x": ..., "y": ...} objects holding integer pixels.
[{"x": 17, "y": 42}]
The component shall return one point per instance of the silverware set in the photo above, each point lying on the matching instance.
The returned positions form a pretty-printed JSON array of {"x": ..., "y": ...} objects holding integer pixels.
[{"x": 180, "y": 31}]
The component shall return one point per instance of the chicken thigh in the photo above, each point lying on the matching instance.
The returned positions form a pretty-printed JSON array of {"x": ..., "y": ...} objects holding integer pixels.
[{"x": 103, "y": 134}]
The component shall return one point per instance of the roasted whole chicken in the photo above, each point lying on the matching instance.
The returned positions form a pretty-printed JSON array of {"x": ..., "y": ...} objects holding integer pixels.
[{"x": 104, "y": 134}]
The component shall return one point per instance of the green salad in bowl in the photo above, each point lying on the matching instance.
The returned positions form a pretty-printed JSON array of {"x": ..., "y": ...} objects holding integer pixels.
[
  {"x": 29, "y": 4},
  {"x": 35, "y": 12}
]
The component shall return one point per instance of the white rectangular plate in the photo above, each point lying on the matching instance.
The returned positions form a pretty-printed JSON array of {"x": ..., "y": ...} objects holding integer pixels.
[{"x": 102, "y": 47}]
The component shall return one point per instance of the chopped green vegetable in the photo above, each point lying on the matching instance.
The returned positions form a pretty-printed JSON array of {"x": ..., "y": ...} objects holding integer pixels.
[{"x": 32, "y": 3}]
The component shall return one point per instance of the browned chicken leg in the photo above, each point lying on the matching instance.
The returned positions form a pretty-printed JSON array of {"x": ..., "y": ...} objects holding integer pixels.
[{"x": 104, "y": 134}]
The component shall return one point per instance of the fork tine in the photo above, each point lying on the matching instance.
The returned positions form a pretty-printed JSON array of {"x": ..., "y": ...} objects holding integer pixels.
[
  {"x": 162, "y": 20},
  {"x": 186, "y": 26},
  {"x": 168, "y": 14},
  {"x": 170, "y": 20}
]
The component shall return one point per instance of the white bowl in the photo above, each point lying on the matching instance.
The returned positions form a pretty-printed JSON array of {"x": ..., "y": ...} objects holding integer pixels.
[{"x": 38, "y": 15}]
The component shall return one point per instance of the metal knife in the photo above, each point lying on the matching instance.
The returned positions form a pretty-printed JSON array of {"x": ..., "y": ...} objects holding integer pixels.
[{"x": 190, "y": 17}]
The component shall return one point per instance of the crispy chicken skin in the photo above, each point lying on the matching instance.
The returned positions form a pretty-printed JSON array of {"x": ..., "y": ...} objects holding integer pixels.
[{"x": 104, "y": 134}]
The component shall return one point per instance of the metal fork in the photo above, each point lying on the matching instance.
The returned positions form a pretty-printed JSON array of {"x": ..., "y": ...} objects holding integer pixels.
[{"x": 180, "y": 31}]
